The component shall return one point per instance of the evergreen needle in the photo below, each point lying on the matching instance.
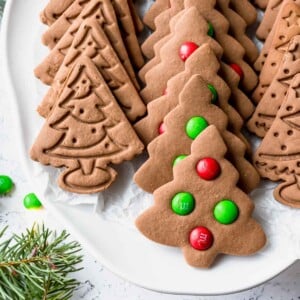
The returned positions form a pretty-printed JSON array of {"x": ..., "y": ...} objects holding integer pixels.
[{"x": 36, "y": 265}]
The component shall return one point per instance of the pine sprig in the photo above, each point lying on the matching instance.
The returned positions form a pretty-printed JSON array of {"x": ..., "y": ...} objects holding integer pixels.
[{"x": 35, "y": 265}]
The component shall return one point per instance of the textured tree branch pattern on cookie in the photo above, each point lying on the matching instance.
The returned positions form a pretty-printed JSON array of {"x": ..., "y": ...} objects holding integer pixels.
[
  {"x": 90, "y": 40},
  {"x": 68, "y": 23},
  {"x": 278, "y": 156},
  {"x": 85, "y": 132},
  {"x": 272, "y": 100},
  {"x": 287, "y": 26}
]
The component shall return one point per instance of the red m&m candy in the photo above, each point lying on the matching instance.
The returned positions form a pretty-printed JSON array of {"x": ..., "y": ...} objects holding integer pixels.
[
  {"x": 201, "y": 238},
  {"x": 237, "y": 69},
  {"x": 186, "y": 49},
  {"x": 208, "y": 168},
  {"x": 162, "y": 128}
]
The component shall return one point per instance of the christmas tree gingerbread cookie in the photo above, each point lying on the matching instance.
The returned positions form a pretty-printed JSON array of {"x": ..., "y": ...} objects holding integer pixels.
[
  {"x": 90, "y": 40},
  {"x": 238, "y": 25},
  {"x": 268, "y": 106},
  {"x": 53, "y": 10},
  {"x": 181, "y": 126},
  {"x": 85, "y": 133},
  {"x": 60, "y": 34},
  {"x": 218, "y": 27},
  {"x": 269, "y": 18},
  {"x": 190, "y": 31},
  {"x": 287, "y": 26},
  {"x": 213, "y": 74},
  {"x": 277, "y": 158},
  {"x": 155, "y": 10},
  {"x": 201, "y": 210}
]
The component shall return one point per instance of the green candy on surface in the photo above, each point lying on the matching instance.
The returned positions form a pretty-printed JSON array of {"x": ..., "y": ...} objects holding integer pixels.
[
  {"x": 178, "y": 159},
  {"x": 195, "y": 126},
  {"x": 183, "y": 203},
  {"x": 211, "y": 30},
  {"x": 226, "y": 212},
  {"x": 214, "y": 93},
  {"x": 31, "y": 201},
  {"x": 6, "y": 184}
]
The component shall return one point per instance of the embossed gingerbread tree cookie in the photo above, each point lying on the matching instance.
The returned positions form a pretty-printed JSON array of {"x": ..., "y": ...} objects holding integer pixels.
[
  {"x": 272, "y": 100},
  {"x": 270, "y": 15},
  {"x": 181, "y": 126},
  {"x": 148, "y": 127},
  {"x": 201, "y": 210},
  {"x": 278, "y": 156},
  {"x": 90, "y": 40},
  {"x": 287, "y": 26},
  {"x": 85, "y": 133},
  {"x": 60, "y": 35}
]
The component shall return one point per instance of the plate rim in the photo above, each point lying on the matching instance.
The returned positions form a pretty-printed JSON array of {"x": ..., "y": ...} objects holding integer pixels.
[{"x": 54, "y": 211}]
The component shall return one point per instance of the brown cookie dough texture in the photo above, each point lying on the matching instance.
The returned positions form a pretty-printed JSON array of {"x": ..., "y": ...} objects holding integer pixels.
[
  {"x": 53, "y": 10},
  {"x": 220, "y": 24},
  {"x": 212, "y": 73},
  {"x": 259, "y": 63},
  {"x": 261, "y": 3},
  {"x": 269, "y": 18},
  {"x": 278, "y": 156},
  {"x": 90, "y": 40},
  {"x": 233, "y": 51},
  {"x": 85, "y": 133},
  {"x": 272, "y": 100},
  {"x": 194, "y": 102},
  {"x": 161, "y": 224},
  {"x": 104, "y": 13},
  {"x": 287, "y": 26},
  {"x": 191, "y": 27}
]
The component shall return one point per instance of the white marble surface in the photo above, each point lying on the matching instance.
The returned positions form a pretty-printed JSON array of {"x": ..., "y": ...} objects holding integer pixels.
[{"x": 96, "y": 281}]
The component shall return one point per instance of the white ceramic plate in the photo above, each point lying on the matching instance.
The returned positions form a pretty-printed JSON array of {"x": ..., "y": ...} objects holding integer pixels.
[{"x": 123, "y": 251}]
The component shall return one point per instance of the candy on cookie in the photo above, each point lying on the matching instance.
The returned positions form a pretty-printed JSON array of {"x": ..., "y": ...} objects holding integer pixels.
[
  {"x": 201, "y": 210},
  {"x": 194, "y": 112},
  {"x": 216, "y": 76}
]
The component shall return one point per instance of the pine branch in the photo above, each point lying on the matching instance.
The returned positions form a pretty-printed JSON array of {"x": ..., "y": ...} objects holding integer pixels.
[{"x": 35, "y": 265}]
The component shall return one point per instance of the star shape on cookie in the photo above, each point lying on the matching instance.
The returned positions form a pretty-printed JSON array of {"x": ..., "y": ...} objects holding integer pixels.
[{"x": 292, "y": 19}]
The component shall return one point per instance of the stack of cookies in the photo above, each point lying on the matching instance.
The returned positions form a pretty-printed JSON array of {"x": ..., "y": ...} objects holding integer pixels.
[
  {"x": 93, "y": 97},
  {"x": 196, "y": 81},
  {"x": 188, "y": 106},
  {"x": 277, "y": 118}
]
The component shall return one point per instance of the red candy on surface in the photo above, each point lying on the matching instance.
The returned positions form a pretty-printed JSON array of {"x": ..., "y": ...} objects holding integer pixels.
[
  {"x": 165, "y": 92},
  {"x": 186, "y": 49},
  {"x": 238, "y": 70},
  {"x": 162, "y": 128},
  {"x": 201, "y": 238},
  {"x": 208, "y": 168}
]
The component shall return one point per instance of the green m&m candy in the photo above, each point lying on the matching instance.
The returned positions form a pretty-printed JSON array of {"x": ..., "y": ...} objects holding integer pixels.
[
  {"x": 211, "y": 30},
  {"x": 6, "y": 184},
  {"x": 195, "y": 126},
  {"x": 226, "y": 211},
  {"x": 183, "y": 203},
  {"x": 31, "y": 201},
  {"x": 214, "y": 93},
  {"x": 178, "y": 159}
]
